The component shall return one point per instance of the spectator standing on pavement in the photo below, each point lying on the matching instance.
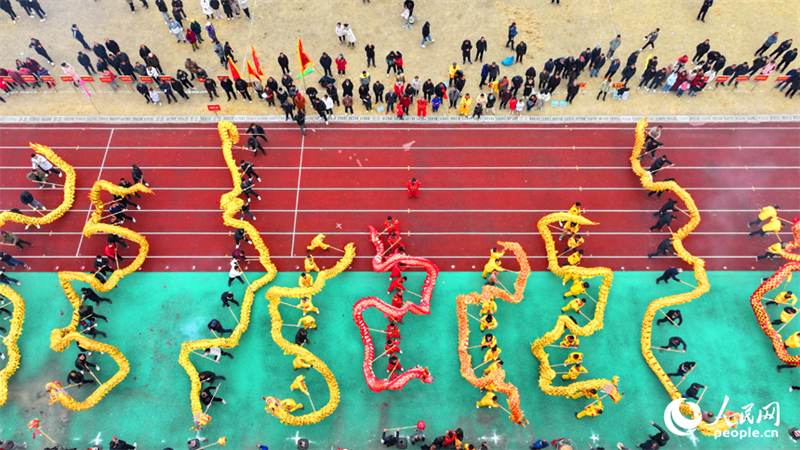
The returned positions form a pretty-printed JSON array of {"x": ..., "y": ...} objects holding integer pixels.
[
  {"x": 76, "y": 33},
  {"x": 38, "y": 48},
  {"x": 651, "y": 39},
  {"x": 613, "y": 45},
  {"x": 704, "y": 9},
  {"x": 767, "y": 44}
]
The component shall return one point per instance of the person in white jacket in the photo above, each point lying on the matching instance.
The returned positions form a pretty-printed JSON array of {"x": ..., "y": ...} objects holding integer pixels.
[
  {"x": 340, "y": 31},
  {"x": 41, "y": 162},
  {"x": 206, "y": 7},
  {"x": 351, "y": 37},
  {"x": 246, "y": 8}
]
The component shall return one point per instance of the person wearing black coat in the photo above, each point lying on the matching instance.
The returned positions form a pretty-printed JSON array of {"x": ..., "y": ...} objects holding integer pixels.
[
  {"x": 286, "y": 81},
  {"x": 521, "y": 50},
  {"x": 530, "y": 73},
  {"x": 440, "y": 90},
  {"x": 597, "y": 64},
  {"x": 480, "y": 48},
  {"x": 628, "y": 73},
  {"x": 633, "y": 58},
  {"x": 788, "y": 57},
  {"x": 426, "y": 33},
  {"x": 142, "y": 89},
  {"x": 427, "y": 89},
  {"x": 530, "y": 85},
  {"x": 702, "y": 49},
  {"x": 558, "y": 66},
  {"x": 459, "y": 83},
  {"x": 377, "y": 89},
  {"x": 572, "y": 91},
  {"x": 227, "y": 84},
  {"x": 781, "y": 48},
  {"x": 569, "y": 62},
  {"x": 466, "y": 48},
  {"x": 100, "y": 52},
  {"x": 363, "y": 91},
  {"x": 333, "y": 94},
  {"x": 325, "y": 61},
  {"x": 516, "y": 83},
  {"x": 544, "y": 76},
  {"x": 347, "y": 88},
  {"x": 114, "y": 62},
  {"x": 127, "y": 69},
  {"x": 370, "y": 49},
  {"x": 311, "y": 92},
  {"x": 594, "y": 55},
  {"x": 658, "y": 78},
  {"x": 391, "y": 99},
  {"x": 741, "y": 69},
  {"x": 143, "y": 51},
  {"x": 211, "y": 87},
  {"x": 793, "y": 89},
  {"x": 167, "y": 90},
  {"x": 300, "y": 118},
  {"x": 112, "y": 46},
  {"x": 243, "y": 89},
  {"x": 283, "y": 61},
  {"x": 86, "y": 62},
  {"x": 555, "y": 80},
  {"x": 612, "y": 69},
  {"x": 758, "y": 63},
  {"x": 178, "y": 87},
  {"x": 101, "y": 66},
  {"x": 494, "y": 71}
]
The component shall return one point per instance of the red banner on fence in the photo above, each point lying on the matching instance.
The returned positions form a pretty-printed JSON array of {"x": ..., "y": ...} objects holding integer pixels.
[
  {"x": 581, "y": 84},
  {"x": 761, "y": 77},
  {"x": 222, "y": 77},
  {"x": 165, "y": 78},
  {"x": 124, "y": 78},
  {"x": 617, "y": 85},
  {"x": 106, "y": 79},
  {"x": 214, "y": 107},
  {"x": 50, "y": 79},
  {"x": 147, "y": 79},
  {"x": 28, "y": 78},
  {"x": 722, "y": 78},
  {"x": 742, "y": 78},
  {"x": 88, "y": 79},
  {"x": 782, "y": 78},
  {"x": 8, "y": 79},
  {"x": 68, "y": 79}
]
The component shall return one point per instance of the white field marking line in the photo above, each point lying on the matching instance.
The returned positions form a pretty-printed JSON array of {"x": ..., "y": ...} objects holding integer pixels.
[
  {"x": 510, "y": 126},
  {"x": 439, "y": 168},
  {"x": 416, "y": 233},
  {"x": 525, "y": 211},
  {"x": 297, "y": 199},
  {"x": 569, "y": 147},
  {"x": 481, "y": 257},
  {"x": 446, "y": 189},
  {"x": 99, "y": 174}
]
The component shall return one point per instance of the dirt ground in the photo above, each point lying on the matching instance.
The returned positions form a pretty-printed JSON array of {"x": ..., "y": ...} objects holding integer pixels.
[{"x": 736, "y": 28}]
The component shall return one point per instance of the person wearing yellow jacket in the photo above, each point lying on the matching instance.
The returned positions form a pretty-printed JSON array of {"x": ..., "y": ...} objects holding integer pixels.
[
  {"x": 491, "y": 266},
  {"x": 578, "y": 288},
  {"x": 570, "y": 228},
  {"x": 310, "y": 265},
  {"x": 299, "y": 383},
  {"x": 492, "y": 354},
  {"x": 488, "y": 322},
  {"x": 488, "y": 306},
  {"x": 291, "y": 405},
  {"x": 592, "y": 410},
  {"x": 574, "y": 242},
  {"x": 453, "y": 69},
  {"x": 488, "y": 340},
  {"x": 317, "y": 243},
  {"x": 574, "y": 305},
  {"x": 575, "y": 209},
  {"x": 767, "y": 213},
  {"x": 574, "y": 358},
  {"x": 300, "y": 363},
  {"x": 784, "y": 298},
  {"x": 588, "y": 393},
  {"x": 573, "y": 372},
  {"x": 570, "y": 340},
  {"x": 793, "y": 341},
  {"x": 493, "y": 367},
  {"x": 463, "y": 109},
  {"x": 774, "y": 225},
  {"x": 307, "y": 306},
  {"x": 494, "y": 254},
  {"x": 489, "y": 400},
  {"x": 307, "y": 322},
  {"x": 786, "y": 315},
  {"x": 305, "y": 280},
  {"x": 574, "y": 259}
]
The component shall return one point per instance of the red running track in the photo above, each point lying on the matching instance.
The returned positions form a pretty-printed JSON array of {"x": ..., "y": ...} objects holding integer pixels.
[{"x": 480, "y": 184}]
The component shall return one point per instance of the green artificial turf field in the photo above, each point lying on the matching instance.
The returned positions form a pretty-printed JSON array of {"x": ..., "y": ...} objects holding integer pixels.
[{"x": 153, "y": 313}]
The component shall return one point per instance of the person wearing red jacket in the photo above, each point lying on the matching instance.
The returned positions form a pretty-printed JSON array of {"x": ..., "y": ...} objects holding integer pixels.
[
  {"x": 392, "y": 332},
  {"x": 413, "y": 187},
  {"x": 391, "y": 225},
  {"x": 405, "y": 100},
  {"x": 394, "y": 364},
  {"x": 392, "y": 346},
  {"x": 397, "y": 269},
  {"x": 397, "y": 300},
  {"x": 400, "y": 110},
  {"x": 397, "y": 283},
  {"x": 111, "y": 252},
  {"x": 422, "y": 108},
  {"x": 341, "y": 64}
]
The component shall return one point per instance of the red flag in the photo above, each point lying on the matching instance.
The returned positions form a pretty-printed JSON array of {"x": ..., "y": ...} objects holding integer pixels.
[
  {"x": 305, "y": 61},
  {"x": 255, "y": 62},
  {"x": 252, "y": 71},
  {"x": 235, "y": 74}
]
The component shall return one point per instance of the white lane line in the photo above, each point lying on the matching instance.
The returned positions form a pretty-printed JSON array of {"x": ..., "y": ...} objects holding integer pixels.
[
  {"x": 454, "y": 189},
  {"x": 297, "y": 199},
  {"x": 439, "y": 168},
  {"x": 99, "y": 174}
]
